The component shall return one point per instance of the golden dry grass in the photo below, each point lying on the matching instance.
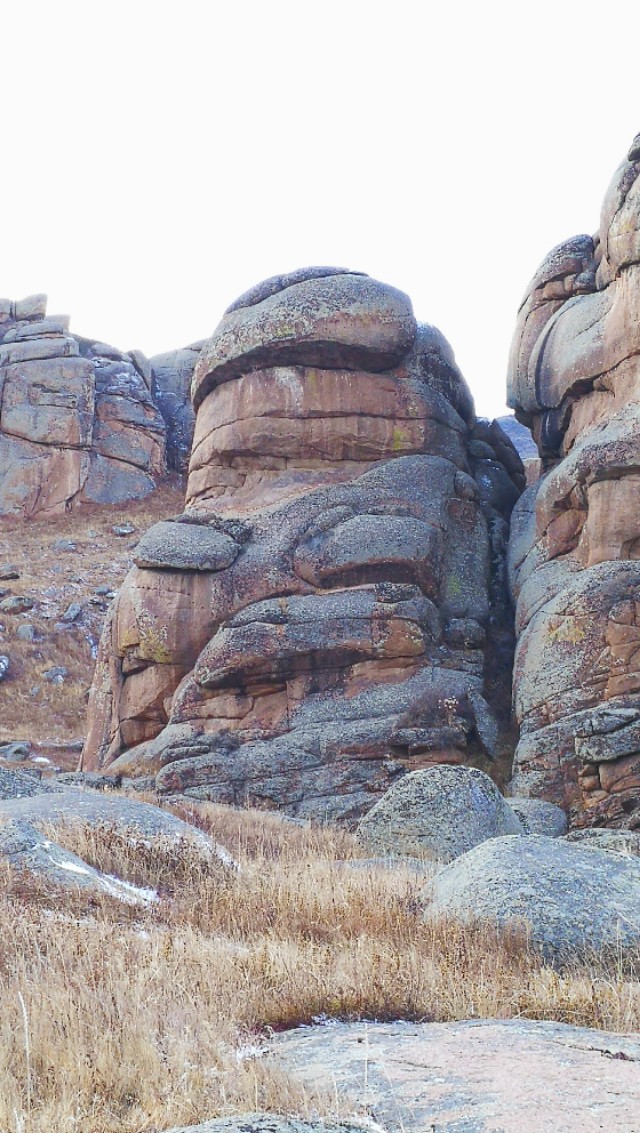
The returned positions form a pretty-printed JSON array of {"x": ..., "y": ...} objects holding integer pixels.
[
  {"x": 30, "y": 707},
  {"x": 137, "y": 1019}
]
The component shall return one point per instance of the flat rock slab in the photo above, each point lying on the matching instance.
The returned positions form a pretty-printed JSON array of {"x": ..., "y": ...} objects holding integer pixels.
[
  {"x": 185, "y": 546},
  {"x": 492, "y": 1076}
]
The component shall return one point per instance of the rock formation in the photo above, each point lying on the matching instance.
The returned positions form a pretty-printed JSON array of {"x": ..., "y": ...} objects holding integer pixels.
[
  {"x": 330, "y": 609},
  {"x": 79, "y": 420},
  {"x": 575, "y": 380}
]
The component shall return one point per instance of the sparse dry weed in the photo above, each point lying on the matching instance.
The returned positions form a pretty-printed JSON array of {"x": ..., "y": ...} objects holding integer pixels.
[{"x": 141, "y": 1019}]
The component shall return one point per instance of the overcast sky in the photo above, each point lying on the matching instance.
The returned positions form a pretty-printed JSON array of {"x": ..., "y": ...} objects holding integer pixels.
[{"x": 158, "y": 159}]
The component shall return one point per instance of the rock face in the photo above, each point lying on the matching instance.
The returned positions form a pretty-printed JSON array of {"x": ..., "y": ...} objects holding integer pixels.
[
  {"x": 576, "y": 902},
  {"x": 439, "y": 813},
  {"x": 330, "y": 609},
  {"x": 474, "y": 1076},
  {"x": 79, "y": 420},
  {"x": 575, "y": 380}
]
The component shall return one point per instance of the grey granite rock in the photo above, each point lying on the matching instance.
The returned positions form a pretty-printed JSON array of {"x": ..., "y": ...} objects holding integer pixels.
[
  {"x": 185, "y": 546},
  {"x": 439, "y": 813},
  {"x": 574, "y": 902}
]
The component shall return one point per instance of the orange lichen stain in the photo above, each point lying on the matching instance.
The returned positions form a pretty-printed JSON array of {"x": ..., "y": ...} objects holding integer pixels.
[{"x": 566, "y": 630}]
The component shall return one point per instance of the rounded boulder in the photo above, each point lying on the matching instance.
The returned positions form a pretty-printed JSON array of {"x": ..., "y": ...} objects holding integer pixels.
[{"x": 438, "y": 813}]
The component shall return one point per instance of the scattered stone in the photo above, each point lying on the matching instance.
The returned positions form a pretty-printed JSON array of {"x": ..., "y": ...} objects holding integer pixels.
[
  {"x": 123, "y": 529},
  {"x": 72, "y": 612},
  {"x": 5, "y": 665},
  {"x": 63, "y": 545},
  {"x": 56, "y": 675},
  {"x": 575, "y": 903},
  {"x": 91, "y": 779},
  {"x": 8, "y": 571},
  {"x": 539, "y": 817},
  {"x": 16, "y": 604},
  {"x": 104, "y": 591},
  {"x": 438, "y": 813},
  {"x": 27, "y": 632},
  {"x": 138, "y": 819},
  {"x": 185, "y": 546}
]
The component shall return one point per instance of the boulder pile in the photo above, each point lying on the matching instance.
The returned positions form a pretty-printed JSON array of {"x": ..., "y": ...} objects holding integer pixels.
[
  {"x": 81, "y": 421},
  {"x": 575, "y": 380},
  {"x": 330, "y": 610}
]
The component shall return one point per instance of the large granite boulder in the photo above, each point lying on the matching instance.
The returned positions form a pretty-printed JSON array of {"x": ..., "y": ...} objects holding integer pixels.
[
  {"x": 575, "y": 903},
  {"x": 81, "y": 421},
  {"x": 439, "y": 813},
  {"x": 330, "y": 609},
  {"x": 575, "y": 381}
]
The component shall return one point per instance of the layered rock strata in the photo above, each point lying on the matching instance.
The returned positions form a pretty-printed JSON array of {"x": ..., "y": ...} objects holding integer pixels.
[
  {"x": 81, "y": 421},
  {"x": 329, "y": 610},
  {"x": 575, "y": 380}
]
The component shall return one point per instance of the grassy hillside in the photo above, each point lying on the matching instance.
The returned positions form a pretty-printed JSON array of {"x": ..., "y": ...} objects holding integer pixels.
[{"x": 126, "y": 1020}]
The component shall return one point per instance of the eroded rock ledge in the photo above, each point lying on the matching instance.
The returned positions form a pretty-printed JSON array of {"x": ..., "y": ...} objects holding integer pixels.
[{"x": 330, "y": 610}]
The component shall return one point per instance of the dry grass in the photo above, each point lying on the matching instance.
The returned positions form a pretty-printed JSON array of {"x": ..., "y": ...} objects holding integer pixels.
[
  {"x": 137, "y": 1019},
  {"x": 31, "y": 708}
]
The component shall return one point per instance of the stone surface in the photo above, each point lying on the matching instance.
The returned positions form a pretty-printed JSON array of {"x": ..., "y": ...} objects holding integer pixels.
[
  {"x": 439, "y": 813},
  {"x": 330, "y": 609},
  {"x": 171, "y": 388},
  {"x": 539, "y": 817},
  {"x": 574, "y": 902},
  {"x": 480, "y": 1076},
  {"x": 276, "y": 1123},
  {"x": 574, "y": 378},
  {"x": 617, "y": 841},
  {"x": 20, "y": 784}
]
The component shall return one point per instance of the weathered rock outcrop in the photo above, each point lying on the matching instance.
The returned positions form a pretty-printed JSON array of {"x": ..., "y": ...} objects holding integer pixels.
[
  {"x": 575, "y": 380},
  {"x": 330, "y": 608},
  {"x": 81, "y": 421}
]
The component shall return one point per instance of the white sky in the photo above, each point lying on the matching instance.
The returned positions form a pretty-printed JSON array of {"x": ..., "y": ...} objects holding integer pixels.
[{"x": 160, "y": 158}]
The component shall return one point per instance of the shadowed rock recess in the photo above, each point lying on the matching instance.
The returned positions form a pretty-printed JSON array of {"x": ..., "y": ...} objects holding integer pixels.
[
  {"x": 83, "y": 422},
  {"x": 575, "y": 380},
  {"x": 331, "y": 609}
]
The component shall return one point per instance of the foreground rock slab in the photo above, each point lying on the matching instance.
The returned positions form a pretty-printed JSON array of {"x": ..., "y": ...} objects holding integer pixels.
[{"x": 475, "y": 1076}]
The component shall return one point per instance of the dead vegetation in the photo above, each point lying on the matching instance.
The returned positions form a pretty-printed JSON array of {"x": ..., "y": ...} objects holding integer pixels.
[
  {"x": 135, "y": 1020},
  {"x": 35, "y": 708}
]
